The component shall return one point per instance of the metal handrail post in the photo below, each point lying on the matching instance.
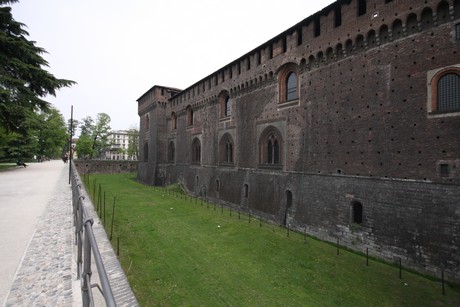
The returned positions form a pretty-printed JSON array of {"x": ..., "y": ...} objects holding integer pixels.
[
  {"x": 86, "y": 288},
  {"x": 106, "y": 289}
]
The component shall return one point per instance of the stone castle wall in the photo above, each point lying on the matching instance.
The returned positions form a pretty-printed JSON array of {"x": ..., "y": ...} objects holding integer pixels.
[
  {"x": 105, "y": 166},
  {"x": 363, "y": 131}
]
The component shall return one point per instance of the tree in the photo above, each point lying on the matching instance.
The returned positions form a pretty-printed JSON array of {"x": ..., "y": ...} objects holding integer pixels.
[
  {"x": 98, "y": 131},
  {"x": 23, "y": 81},
  {"x": 87, "y": 126},
  {"x": 52, "y": 135},
  {"x": 133, "y": 143},
  {"x": 101, "y": 134},
  {"x": 46, "y": 136},
  {"x": 84, "y": 147}
]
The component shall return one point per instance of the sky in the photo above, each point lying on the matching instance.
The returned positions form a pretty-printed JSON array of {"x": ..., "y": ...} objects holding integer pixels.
[{"x": 117, "y": 50}]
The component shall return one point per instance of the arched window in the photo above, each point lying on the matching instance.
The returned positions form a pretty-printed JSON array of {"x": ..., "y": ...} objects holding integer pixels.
[
  {"x": 339, "y": 51},
  {"x": 443, "y": 12},
  {"x": 288, "y": 83},
  {"x": 270, "y": 147},
  {"x": 349, "y": 47},
  {"x": 427, "y": 18},
  {"x": 189, "y": 116},
  {"x": 196, "y": 151},
  {"x": 171, "y": 151},
  {"x": 226, "y": 149},
  {"x": 359, "y": 43},
  {"x": 273, "y": 150},
  {"x": 357, "y": 212},
  {"x": 411, "y": 24},
  {"x": 291, "y": 87},
  {"x": 246, "y": 191},
  {"x": 146, "y": 152},
  {"x": 384, "y": 35},
  {"x": 228, "y": 110},
  {"x": 225, "y": 104},
  {"x": 445, "y": 91},
  {"x": 147, "y": 122},
  {"x": 173, "y": 121},
  {"x": 371, "y": 39},
  {"x": 397, "y": 29}
]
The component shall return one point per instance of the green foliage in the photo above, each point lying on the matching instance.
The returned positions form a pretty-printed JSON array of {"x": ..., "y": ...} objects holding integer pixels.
[
  {"x": 23, "y": 81},
  {"x": 133, "y": 143},
  {"x": 52, "y": 134},
  {"x": 177, "y": 251},
  {"x": 46, "y": 136},
  {"x": 84, "y": 147},
  {"x": 98, "y": 131}
]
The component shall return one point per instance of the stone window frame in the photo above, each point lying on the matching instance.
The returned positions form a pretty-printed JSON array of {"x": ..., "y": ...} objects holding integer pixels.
[
  {"x": 433, "y": 78},
  {"x": 172, "y": 151},
  {"x": 196, "y": 151},
  {"x": 356, "y": 213},
  {"x": 225, "y": 105},
  {"x": 245, "y": 190},
  {"x": 190, "y": 115},
  {"x": 147, "y": 122},
  {"x": 226, "y": 157},
  {"x": 173, "y": 121},
  {"x": 271, "y": 154},
  {"x": 286, "y": 72}
]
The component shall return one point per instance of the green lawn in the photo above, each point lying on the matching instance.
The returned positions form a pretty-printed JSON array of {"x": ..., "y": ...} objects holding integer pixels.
[{"x": 178, "y": 252}]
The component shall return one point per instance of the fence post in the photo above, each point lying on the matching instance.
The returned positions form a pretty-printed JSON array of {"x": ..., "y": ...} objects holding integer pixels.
[{"x": 86, "y": 287}]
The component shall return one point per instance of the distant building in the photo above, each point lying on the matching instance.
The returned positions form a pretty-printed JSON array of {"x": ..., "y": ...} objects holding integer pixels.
[{"x": 119, "y": 141}]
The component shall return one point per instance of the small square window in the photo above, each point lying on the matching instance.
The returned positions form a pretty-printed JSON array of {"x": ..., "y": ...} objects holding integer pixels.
[{"x": 444, "y": 170}]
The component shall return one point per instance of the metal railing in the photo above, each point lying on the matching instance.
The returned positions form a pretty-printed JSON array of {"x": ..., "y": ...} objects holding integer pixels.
[{"x": 87, "y": 245}]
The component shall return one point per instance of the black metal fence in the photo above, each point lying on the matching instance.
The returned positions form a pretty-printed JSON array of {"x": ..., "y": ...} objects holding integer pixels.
[{"x": 87, "y": 246}]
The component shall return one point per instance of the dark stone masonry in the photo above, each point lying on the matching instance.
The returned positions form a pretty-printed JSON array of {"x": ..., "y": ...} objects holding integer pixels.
[{"x": 346, "y": 124}]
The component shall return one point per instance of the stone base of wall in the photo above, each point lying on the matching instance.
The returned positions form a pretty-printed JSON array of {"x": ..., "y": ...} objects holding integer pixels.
[
  {"x": 105, "y": 166},
  {"x": 415, "y": 221}
]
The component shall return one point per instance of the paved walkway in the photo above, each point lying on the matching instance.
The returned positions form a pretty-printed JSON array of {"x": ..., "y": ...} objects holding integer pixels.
[{"x": 36, "y": 267}]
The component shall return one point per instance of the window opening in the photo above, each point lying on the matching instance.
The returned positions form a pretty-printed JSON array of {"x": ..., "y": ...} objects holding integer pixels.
[
  {"x": 317, "y": 28},
  {"x": 246, "y": 191},
  {"x": 228, "y": 151},
  {"x": 288, "y": 207},
  {"x": 172, "y": 151},
  {"x": 338, "y": 17},
  {"x": 147, "y": 122},
  {"x": 146, "y": 152},
  {"x": 196, "y": 151},
  {"x": 273, "y": 150},
  {"x": 217, "y": 185},
  {"x": 444, "y": 170},
  {"x": 361, "y": 7},
  {"x": 448, "y": 93},
  {"x": 227, "y": 106},
  {"x": 299, "y": 36},
  {"x": 190, "y": 116},
  {"x": 291, "y": 87},
  {"x": 357, "y": 208}
]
